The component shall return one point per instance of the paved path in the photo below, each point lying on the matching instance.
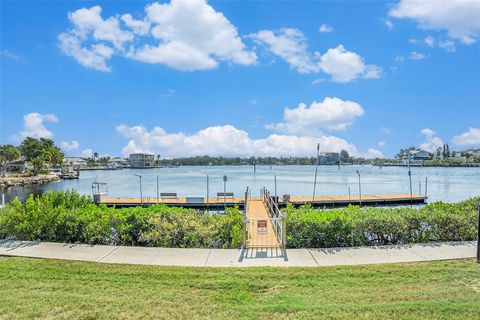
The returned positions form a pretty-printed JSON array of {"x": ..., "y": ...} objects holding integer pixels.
[{"x": 239, "y": 257}]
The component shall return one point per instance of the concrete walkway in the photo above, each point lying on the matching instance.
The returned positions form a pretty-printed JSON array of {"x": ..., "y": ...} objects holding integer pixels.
[{"x": 239, "y": 257}]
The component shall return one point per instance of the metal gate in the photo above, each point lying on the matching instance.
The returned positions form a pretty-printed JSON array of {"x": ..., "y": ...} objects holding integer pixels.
[{"x": 264, "y": 232}]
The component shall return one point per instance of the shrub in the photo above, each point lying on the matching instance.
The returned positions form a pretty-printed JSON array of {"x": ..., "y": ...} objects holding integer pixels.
[{"x": 354, "y": 226}]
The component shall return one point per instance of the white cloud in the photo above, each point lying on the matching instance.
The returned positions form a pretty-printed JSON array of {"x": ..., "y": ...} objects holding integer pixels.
[
  {"x": 331, "y": 113},
  {"x": 290, "y": 45},
  {"x": 468, "y": 138},
  {"x": 325, "y": 28},
  {"x": 344, "y": 66},
  {"x": 429, "y": 41},
  {"x": 389, "y": 24},
  {"x": 447, "y": 45},
  {"x": 68, "y": 146},
  {"x": 94, "y": 57},
  {"x": 184, "y": 35},
  {"x": 140, "y": 27},
  {"x": 382, "y": 143},
  {"x": 225, "y": 141},
  {"x": 34, "y": 126},
  {"x": 87, "y": 153},
  {"x": 432, "y": 141},
  {"x": 459, "y": 18},
  {"x": 417, "y": 56},
  {"x": 192, "y": 36},
  {"x": 318, "y": 81},
  {"x": 373, "y": 153}
]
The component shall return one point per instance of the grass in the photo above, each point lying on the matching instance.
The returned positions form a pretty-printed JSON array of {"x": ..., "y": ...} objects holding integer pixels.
[{"x": 48, "y": 289}]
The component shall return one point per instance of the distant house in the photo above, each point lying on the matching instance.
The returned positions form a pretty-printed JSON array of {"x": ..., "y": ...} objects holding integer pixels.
[
  {"x": 472, "y": 152},
  {"x": 75, "y": 162},
  {"x": 329, "y": 158},
  {"x": 18, "y": 166},
  {"x": 118, "y": 162},
  {"x": 416, "y": 157},
  {"x": 142, "y": 160}
]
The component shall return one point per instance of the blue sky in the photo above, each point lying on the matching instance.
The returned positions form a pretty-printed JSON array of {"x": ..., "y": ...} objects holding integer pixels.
[{"x": 241, "y": 78}]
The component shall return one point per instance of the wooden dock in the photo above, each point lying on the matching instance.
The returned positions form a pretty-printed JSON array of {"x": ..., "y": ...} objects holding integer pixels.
[{"x": 318, "y": 201}]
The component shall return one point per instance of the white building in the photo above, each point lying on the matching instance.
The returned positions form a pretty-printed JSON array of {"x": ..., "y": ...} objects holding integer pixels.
[
  {"x": 75, "y": 162},
  {"x": 142, "y": 160},
  {"x": 118, "y": 162},
  {"x": 329, "y": 158},
  {"x": 416, "y": 157}
]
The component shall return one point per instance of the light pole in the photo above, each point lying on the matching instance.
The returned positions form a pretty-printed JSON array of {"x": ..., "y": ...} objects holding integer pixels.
[
  {"x": 359, "y": 187},
  {"x": 225, "y": 192},
  {"x": 316, "y": 170},
  {"x": 140, "y": 180},
  {"x": 157, "y": 190},
  {"x": 410, "y": 179}
]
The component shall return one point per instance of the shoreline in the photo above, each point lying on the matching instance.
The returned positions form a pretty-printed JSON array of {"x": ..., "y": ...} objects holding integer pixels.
[{"x": 8, "y": 182}]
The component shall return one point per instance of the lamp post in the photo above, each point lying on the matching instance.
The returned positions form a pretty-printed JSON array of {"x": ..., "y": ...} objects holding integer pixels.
[
  {"x": 359, "y": 187},
  {"x": 316, "y": 170},
  {"x": 410, "y": 179},
  {"x": 225, "y": 192},
  {"x": 157, "y": 189},
  {"x": 140, "y": 180}
]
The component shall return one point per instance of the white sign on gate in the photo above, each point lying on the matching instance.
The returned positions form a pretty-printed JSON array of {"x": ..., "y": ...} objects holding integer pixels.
[{"x": 262, "y": 226}]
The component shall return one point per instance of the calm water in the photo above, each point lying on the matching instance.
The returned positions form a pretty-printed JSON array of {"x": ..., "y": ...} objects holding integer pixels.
[{"x": 446, "y": 184}]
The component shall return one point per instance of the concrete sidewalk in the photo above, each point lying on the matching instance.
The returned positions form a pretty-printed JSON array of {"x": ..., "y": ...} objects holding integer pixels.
[{"x": 239, "y": 257}]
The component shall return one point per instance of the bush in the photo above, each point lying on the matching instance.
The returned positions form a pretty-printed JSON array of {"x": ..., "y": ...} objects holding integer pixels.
[
  {"x": 70, "y": 217},
  {"x": 354, "y": 226}
]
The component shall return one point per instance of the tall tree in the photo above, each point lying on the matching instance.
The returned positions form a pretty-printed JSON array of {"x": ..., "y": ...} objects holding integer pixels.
[
  {"x": 41, "y": 152},
  {"x": 9, "y": 153}
]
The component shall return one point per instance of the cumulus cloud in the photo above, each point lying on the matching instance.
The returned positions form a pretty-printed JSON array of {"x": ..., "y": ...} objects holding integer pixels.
[
  {"x": 432, "y": 141},
  {"x": 325, "y": 28},
  {"x": 34, "y": 126},
  {"x": 225, "y": 141},
  {"x": 382, "y": 143},
  {"x": 184, "y": 35},
  {"x": 331, "y": 114},
  {"x": 459, "y": 18},
  {"x": 70, "y": 145},
  {"x": 468, "y": 138},
  {"x": 290, "y": 45},
  {"x": 340, "y": 64},
  {"x": 344, "y": 66}
]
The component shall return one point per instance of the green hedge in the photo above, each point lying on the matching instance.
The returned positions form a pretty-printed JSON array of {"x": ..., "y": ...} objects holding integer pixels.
[
  {"x": 70, "y": 217},
  {"x": 354, "y": 226}
]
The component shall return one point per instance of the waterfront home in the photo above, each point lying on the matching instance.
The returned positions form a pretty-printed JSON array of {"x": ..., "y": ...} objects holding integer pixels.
[
  {"x": 142, "y": 160},
  {"x": 118, "y": 162},
  {"x": 416, "y": 156},
  {"x": 74, "y": 162},
  {"x": 329, "y": 158}
]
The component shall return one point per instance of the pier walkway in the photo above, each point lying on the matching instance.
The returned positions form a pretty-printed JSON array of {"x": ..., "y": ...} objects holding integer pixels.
[
  {"x": 239, "y": 257},
  {"x": 318, "y": 201}
]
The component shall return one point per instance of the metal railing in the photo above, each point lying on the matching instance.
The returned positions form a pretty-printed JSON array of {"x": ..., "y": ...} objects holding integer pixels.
[{"x": 274, "y": 233}]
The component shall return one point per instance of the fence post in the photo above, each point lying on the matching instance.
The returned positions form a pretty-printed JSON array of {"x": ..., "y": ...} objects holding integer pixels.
[{"x": 245, "y": 221}]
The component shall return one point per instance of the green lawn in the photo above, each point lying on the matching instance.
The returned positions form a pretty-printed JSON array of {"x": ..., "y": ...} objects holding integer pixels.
[{"x": 45, "y": 289}]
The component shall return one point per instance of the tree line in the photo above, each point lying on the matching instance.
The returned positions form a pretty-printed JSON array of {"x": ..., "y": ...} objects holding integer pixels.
[{"x": 40, "y": 153}]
